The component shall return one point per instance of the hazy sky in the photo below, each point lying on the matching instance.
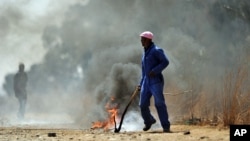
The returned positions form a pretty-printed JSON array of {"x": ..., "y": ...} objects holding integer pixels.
[{"x": 21, "y": 26}]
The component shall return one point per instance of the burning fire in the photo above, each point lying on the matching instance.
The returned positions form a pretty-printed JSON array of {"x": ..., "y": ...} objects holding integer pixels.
[{"x": 109, "y": 123}]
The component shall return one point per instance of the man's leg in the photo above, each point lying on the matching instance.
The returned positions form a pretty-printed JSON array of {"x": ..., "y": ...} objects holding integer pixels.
[
  {"x": 145, "y": 111},
  {"x": 22, "y": 107},
  {"x": 160, "y": 105},
  {"x": 19, "y": 114}
]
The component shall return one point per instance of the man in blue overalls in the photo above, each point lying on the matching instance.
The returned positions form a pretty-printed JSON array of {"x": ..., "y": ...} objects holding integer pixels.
[{"x": 154, "y": 61}]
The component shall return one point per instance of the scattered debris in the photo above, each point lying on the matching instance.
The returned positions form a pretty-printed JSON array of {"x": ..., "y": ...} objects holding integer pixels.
[
  {"x": 186, "y": 133},
  {"x": 51, "y": 134},
  {"x": 203, "y": 137}
]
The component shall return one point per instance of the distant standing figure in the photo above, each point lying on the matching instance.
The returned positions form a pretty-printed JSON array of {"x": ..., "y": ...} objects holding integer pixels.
[
  {"x": 154, "y": 61},
  {"x": 20, "y": 83}
]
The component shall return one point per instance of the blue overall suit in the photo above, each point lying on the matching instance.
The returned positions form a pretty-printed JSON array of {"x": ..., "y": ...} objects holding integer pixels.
[{"x": 153, "y": 60}]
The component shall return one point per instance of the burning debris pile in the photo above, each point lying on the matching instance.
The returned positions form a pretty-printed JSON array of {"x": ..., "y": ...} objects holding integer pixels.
[{"x": 113, "y": 115}]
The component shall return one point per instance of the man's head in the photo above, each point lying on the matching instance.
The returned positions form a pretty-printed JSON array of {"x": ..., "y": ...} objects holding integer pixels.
[
  {"x": 21, "y": 67},
  {"x": 146, "y": 38}
]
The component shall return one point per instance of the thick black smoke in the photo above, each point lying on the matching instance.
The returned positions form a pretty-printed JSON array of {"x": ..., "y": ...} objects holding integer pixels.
[{"x": 95, "y": 52}]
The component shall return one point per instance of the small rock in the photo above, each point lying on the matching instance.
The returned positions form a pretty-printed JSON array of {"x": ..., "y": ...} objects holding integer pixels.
[
  {"x": 203, "y": 137},
  {"x": 51, "y": 134},
  {"x": 186, "y": 133}
]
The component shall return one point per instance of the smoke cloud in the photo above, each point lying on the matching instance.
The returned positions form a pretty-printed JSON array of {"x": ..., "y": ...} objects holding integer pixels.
[{"x": 79, "y": 54}]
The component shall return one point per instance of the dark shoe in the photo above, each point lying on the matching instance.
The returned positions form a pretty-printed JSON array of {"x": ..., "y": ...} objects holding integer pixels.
[
  {"x": 148, "y": 126},
  {"x": 167, "y": 130}
]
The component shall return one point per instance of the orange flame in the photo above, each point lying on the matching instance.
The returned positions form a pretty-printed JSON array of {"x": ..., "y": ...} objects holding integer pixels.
[{"x": 109, "y": 123}]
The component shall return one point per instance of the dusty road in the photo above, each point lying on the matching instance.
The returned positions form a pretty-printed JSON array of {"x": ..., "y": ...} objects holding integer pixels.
[{"x": 196, "y": 133}]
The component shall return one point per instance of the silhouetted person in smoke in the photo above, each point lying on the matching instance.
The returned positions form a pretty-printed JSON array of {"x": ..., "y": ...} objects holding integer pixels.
[
  {"x": 20, "y": 82},
  {"x": 154, "y": 61}
]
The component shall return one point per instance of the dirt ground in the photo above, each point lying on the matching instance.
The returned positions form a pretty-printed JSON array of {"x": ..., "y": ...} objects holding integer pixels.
[{"x": 180, "y": 133}]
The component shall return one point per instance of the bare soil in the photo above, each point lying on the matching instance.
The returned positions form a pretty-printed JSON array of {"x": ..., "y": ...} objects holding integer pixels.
[{"x": 180, "y": 133}]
